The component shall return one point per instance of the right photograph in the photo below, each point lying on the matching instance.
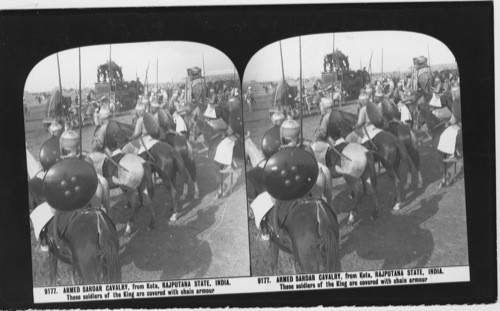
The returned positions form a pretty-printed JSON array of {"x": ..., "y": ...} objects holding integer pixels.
[{"x": 354, "y": 154}]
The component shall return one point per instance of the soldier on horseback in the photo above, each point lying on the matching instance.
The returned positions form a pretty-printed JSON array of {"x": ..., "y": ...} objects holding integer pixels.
[
  {"x": 448, "y": 139},
  {"x": 141, "y": 139}
]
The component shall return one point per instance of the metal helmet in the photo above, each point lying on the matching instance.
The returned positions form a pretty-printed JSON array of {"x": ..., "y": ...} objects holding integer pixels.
[
  {"x": 271, "y": 141},
  {"x": 50, "y": 153},
  {"x": 277, "y": 117},
  {"x": 290, "y": 173},
  {"x": 289, "y": 131},
  {"x": 69, "y": 142},
  {"x": 70, "y": 184},
  {"x": 55, "y": 129},
  {"x": 378, "y": 95}
]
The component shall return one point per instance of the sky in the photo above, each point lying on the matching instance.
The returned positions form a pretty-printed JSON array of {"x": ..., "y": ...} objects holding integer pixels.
[
  {"x": 399, "y": 50},
  {"x": 174, "y": 57}
]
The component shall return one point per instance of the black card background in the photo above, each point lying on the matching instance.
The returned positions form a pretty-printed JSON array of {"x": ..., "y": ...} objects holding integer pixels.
[{"x": 26, "y": 37}]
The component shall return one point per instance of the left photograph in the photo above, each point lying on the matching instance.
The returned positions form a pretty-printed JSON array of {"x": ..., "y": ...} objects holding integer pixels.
[{"x": 135, "y": 165}]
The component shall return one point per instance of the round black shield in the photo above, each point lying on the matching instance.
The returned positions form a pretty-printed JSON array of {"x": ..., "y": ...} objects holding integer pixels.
[
  {"x": 236, "y": 121},
  {"x": 271, "y": 141},
  {"x": 50, "y": 153},
  {"x": 334, "y": 129},
  {"x": 388, "y": 109},
  {"x": 290, "y": 174},
  {"x": 165, "y": 120},
  {"x": 152, "y": 127},
  {"x": 113, "y": 136},
  {"x": 374, "y": 115},
  {"x": 70, "y": 184}
]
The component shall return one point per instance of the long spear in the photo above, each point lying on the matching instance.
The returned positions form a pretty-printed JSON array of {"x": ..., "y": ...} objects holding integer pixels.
[
  {"x": 282, "y": 67},
  {"x": 203, "y": 62},
  {"x": 301, "y": 99},
  {"x": 282, "y": 74},
  {"x": 370, "y": 66},
  {"x": 60, "y": 84},
  {"x": 109, "y": 74},
  {"x": 333, "y": 70},
  {"x": 145, "y": 81},
  {"x": 157, "y": 74},
  {"x": 429, "y": 57},
  {"x": 80, "y": 96},
  {"x": 382, "y": 60}
]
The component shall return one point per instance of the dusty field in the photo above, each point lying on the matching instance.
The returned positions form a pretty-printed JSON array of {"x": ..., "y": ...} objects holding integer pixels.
[
  {"x": 200, "y": 244},
  {"x": 430, "y": 230}
]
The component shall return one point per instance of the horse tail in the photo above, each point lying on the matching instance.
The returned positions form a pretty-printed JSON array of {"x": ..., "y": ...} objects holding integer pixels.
[
  {"x": 370, "y": 161},
  {"x": 108, "y": 249},
  {"x": 148, "y": 176},
  {"x": 328, "y": 230}
]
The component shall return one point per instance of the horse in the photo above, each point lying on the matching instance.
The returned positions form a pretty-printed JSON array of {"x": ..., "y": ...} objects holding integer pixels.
[
  {"x": 93, "y": 245},
  {"x": 133, "y": 174},
  {"x": 355, "y": 164},
  {"x": 435, "y": 128},
  {"x": 386, "y": 148},
  {"x": 212, "y": 138},
  {"x": 309, "y": 230},
  {"x": 168, "y": 157},
  {"x": 167, "y": 163}
]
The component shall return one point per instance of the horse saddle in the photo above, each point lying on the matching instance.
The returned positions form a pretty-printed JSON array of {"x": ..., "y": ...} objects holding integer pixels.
[{"x": 109, "y": 168}]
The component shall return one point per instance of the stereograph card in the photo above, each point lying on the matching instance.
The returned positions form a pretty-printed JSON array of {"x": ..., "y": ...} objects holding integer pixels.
[{"x": 297, "y": 155}]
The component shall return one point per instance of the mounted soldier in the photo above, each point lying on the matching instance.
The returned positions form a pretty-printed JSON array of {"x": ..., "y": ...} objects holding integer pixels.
[
  {"x": 364, "y": 128},
  {"x": 448, "y": 139},
  {"x": 291, "y": 173},
  {"x": 234, "y": 132},
  {"x": 70, "y": 183},
  {"x": 146, "y": 132}
]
